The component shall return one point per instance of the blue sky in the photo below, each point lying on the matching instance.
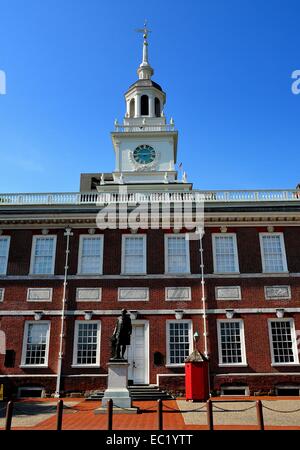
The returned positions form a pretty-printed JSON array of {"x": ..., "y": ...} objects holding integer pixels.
[{"x": 225, "y": 65}]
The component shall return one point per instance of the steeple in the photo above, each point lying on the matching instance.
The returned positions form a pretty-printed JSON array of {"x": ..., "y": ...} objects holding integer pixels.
[{"x": 145, "y": 71}]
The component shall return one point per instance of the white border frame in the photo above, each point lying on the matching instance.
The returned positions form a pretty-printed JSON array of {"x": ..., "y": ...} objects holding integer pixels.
[
  {"x": 75, "y": 343},
  {"x": 190, "y": 323},
  {"x": 294, "y": 342},
  {"x": 144, "y": 268},
  {"x": 133, "y": 299},
  {"x": 282, "y": 244},
  {"x": 50, "y": 289},
  {"x": 7, "y": 253},
  {"x": 25, "y": 338},
  {"x": 168, "y": 236},
  {"x": 90, "y": 300},
  {"x": 236, "y": 252},
  {"x": 235, "y": 388},
  {"x": 279, "y": 286},
  {"x": 178, "y": 299},
  {"x": 34, "y": 239},
  {"x": 243, "y": 346},
  {"x": 90, "y": 236},
  {"x": 2, "y": 292},
  {"x": 146, "y": 324},
  {"x": 228, "y": 298}
]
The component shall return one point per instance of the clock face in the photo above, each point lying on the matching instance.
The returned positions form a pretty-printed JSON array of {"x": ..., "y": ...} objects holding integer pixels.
[{"x": 144, "y": 154}]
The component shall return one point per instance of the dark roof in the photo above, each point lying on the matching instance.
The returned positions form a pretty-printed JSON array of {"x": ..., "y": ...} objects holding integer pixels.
[{"x": 146, "y": 83}]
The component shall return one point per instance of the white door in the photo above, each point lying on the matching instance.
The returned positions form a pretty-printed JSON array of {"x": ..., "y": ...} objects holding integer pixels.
[{"x": 136, "y": 355}]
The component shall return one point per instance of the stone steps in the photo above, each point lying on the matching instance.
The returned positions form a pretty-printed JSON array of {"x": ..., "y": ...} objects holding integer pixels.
[{"x": 141, "y": 392}]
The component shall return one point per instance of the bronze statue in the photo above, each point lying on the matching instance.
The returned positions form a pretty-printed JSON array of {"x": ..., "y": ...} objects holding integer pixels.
[{"x": 121, "y": 336}]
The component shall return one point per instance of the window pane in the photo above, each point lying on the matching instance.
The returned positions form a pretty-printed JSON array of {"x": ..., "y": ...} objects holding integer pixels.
[
  {"x": 230, "y": 343},
  {"x": 272, "y": 253},
  {"x": 91, "y": 254},
  {"x": 134, "y": 255},
  {"x": 177, "y": 254},
  {"x": 4, "y": 242},
  {"x": 282, "y": 342},
  {"x": 179, "y": 344},
  {"x": 225, "y": 254},
  {"x": 87, "y": 343},
  {"x": 36, "y": 345},
  {"x": 43, "y": 255}
]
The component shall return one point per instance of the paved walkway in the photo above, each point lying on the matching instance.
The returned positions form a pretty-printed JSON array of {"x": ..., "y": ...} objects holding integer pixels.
[{"x": 178, "y": 415}]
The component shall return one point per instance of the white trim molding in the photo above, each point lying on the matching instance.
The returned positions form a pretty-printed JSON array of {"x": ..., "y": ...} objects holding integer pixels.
[
  {"x": 75, "y": 343},
  {"x": 143, "y": 269},
  {"x": 92, "y": 237},
  {"x": 293, "y": 342},
  {"x": 243, "y": 362},
  {"x": 283, "y": 252},
  {"x": 7, "y": 239},
  {"x": 39, "y": 294},
  {"x": 2, "y": 291},
  {"x": 278, "y": 292},
  {"x": 228, "y": 293},
  {"x": 88, "y": 294},
  {"x": 179, "y": 294},
  {"x": 235, "y": 254},
  {"x": 137, "y": 294},
  {"x": 25, "y": 340}
]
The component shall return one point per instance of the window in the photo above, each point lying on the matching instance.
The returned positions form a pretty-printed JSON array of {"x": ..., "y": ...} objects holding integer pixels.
[
  {"x": 283, "y": 341},
  {"x": 144, "y": 105},
  {"x": 177, "y": 258},
  {"x": 1, "y": 294},
  {"x": 273, "y": 252},
  {"x": 4, "y": 249},
  {"x": 225, "y": 253},
  {"x": 179, "y": 338},
  {"x": 90, "y": 254},
  {"x": 157, "y": 107},
  {"x": 87, "y": 343},
  {"x": 43, "y": 255},
  {"x": 36, "y": 344},
  {"x": 134, "y": 254},
  {"x": 231, "y": 342}
]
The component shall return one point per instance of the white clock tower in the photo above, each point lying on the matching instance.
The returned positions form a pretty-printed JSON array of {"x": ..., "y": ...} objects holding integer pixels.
[{"x": 145, "y": 144}]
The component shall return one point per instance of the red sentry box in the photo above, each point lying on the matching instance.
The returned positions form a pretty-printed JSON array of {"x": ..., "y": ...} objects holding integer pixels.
[{"x": 196, "y": 381}]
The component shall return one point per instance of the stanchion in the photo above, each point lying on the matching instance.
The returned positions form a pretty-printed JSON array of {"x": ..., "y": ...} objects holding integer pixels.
[
  {"x": 210, "y": 420},
  {"x": 110, "y": 414},
  {"x": 160, "y": 414},
  {"x": 260, "y": 416},
  {"x": 9, "y": 414},
  {"x": 59, "y": 414}
]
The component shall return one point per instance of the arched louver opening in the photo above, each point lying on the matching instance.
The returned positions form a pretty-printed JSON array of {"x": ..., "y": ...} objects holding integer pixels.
[
  {"x": 157, "y": 107},
  {"x": 144, "y": 105},
  {"x": 132, "y": 108}
]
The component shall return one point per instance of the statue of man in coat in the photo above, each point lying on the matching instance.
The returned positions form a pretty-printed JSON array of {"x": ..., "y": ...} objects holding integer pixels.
[{"x": 121, "y": 335}]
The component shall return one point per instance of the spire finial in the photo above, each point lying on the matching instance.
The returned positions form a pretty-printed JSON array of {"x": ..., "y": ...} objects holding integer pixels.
[{"x": 145, "y": 63}]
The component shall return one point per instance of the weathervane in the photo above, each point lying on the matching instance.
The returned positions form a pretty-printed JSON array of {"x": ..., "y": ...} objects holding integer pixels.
[{"x": 144, "y": 30}]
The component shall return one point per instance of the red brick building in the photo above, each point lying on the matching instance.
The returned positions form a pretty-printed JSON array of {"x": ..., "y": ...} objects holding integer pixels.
[{"x": 64, "y": 278}]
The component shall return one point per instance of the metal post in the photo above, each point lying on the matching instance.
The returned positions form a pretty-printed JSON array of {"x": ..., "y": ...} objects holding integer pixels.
[
  {"x": 260, "y": 416},
  {"x": 59, "y": 414},
  {"x": 209, "y": 409},
  {"x": 9, "y": 414},
  {"x": 159, "y": 414},
  {"x": 110, "y": 414}
]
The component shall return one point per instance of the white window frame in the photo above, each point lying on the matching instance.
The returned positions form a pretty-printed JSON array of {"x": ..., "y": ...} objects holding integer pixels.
[
  {"x": 173, "y": 299},
  {"x": 34, "y": 239},
  {"x": 39, "y": 300},
  {"x": 294, "y": 342},
  {"x": 90, "y": 236},
  {"x": 25, "y": 339},
  {"x": 188, "y": 263},
  {"x": 236, "y": 254},
  {"x": 90, "y": 300},
  {"x": 190, "y": 323},
  {"x": 2, "y": 291},
  {"x": 75, "y": 343},
  {"x": 243, "y": 346},
  {"x": 144, "y": 268},
  {"x": 283, "y": 252},
  {"x": 6, "y": 238}
]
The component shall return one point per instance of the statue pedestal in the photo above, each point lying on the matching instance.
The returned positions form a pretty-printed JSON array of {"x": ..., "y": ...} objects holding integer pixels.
[{"x": 117, "y": 388}]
